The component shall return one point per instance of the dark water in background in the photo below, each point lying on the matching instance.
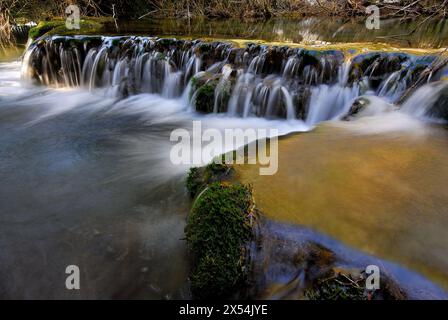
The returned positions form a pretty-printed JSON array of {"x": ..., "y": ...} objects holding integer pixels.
[{"x": 430, "y": 34}]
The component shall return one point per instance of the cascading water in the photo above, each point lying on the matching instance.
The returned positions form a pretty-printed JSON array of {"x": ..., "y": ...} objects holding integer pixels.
[
  {"x": 124, "y": 207},
  {"x": 261, "y": 81}
]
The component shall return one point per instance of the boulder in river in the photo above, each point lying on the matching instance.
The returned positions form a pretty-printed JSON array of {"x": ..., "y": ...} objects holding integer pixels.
[
  {"x": 439, "y": 109},
  {"x": 366, "y": 106}
]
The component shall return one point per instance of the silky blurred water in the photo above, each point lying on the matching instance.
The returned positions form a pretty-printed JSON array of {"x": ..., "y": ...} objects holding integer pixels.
[{"x": 87, "y": 180}]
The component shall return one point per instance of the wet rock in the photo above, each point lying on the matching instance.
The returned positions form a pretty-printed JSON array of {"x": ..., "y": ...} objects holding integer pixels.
[
  {"x": 439, "y": 109},
  {"x": 366, "y": 106},
  {"x": 288, "y": 263},
  {"x": 349, "y": 284},
  {"x": 376, "y": 66},
  {"x": 199, "y": 177},
  {"x": 205, "y": 97},
  {"x": 301, "y": 101},
  {"x": 166, "y": 44},
  {"x": 203, "y": 91},
  {"x": 210, "y": 91},
  {"x": 277, "y": 80}
]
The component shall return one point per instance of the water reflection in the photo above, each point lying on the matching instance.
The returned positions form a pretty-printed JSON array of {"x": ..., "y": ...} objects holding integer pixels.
[{"x": 432, "y": 33}]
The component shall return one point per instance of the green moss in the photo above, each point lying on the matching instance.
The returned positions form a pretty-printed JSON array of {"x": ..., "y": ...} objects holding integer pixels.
[
  {"x": 194, "y": 181},
  {"x": 57, "y": 27},
  {"x": 165, "y": 43},
  {"x": 161, "y": 56},
  {"x": 43, "y": 27},
  {"x": 199, "y": 178},
  {"x": 194, "y": 83},
  {"x": 218, "y": 228},
  {"x": 205, "y": 97}
]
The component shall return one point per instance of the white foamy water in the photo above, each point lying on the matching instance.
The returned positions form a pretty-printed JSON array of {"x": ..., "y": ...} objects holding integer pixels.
[{"x": 88, "y": 181}]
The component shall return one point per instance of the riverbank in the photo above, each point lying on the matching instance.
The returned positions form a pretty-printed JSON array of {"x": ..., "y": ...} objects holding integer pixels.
[
  {"x": 406, "y": 9},
  {"x": 318, "y": 32}
]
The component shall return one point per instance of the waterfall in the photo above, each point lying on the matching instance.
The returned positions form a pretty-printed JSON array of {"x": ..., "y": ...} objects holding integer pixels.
[
  {"x": 255, "y": 80},
  {"x": 423, "y": 103},
  {"x": 290, "y": 114},
  {"x": 242, "y": 89},
  {"x": 221, "y": 87},
  {"x": 329, "y": 102}
]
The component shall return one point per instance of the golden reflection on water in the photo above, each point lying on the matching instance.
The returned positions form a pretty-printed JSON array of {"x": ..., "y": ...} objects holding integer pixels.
[
  {"x": 8, "y": 54},
  {"x": 385, "y": 194}
]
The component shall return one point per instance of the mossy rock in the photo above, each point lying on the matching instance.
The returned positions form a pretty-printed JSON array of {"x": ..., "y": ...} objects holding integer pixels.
[
  {"x": 200, "y": 79},
  {"x": 58, "y": 27},
  {"x": 203, "y": 90},
  {"x": 205, "y": 97},
  {"x": 165, "y": 44},
  {"x": 218, "y": 230},
  {"x": 43, "y": 27},
  {"x": 199, "y": 178},
  {"x": 274, "y": 60}
]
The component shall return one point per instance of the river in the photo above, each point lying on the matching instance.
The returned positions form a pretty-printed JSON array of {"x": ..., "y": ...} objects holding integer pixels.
[{"x": 87, "y": 181}]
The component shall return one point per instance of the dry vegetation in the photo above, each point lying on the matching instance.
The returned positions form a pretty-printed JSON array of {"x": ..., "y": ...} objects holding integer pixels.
[
  {"x": 223, "y": 8},
  {"x": 12, "y": 11},
  {"x": 268, "y": 8},
  {"x": 5, "y": 30}
]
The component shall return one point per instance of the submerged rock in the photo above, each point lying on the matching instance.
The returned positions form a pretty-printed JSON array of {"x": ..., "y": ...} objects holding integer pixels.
[
  {"x": 292, "y": 263},
  {"x": 346, "y": 284}
]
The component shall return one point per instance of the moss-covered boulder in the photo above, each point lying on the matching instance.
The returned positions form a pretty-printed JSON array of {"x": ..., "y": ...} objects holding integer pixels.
[
  {"x": 199, "y": 177},
  {"x": 218, "y": 230},
  {"x": 58, "y": 27},
  {"x": 202, "y": 93},
  {"x": 205, "y": 97}
]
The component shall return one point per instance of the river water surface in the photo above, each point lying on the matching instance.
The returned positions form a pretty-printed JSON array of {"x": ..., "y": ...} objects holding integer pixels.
[{"x": 86, "y": 180}]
